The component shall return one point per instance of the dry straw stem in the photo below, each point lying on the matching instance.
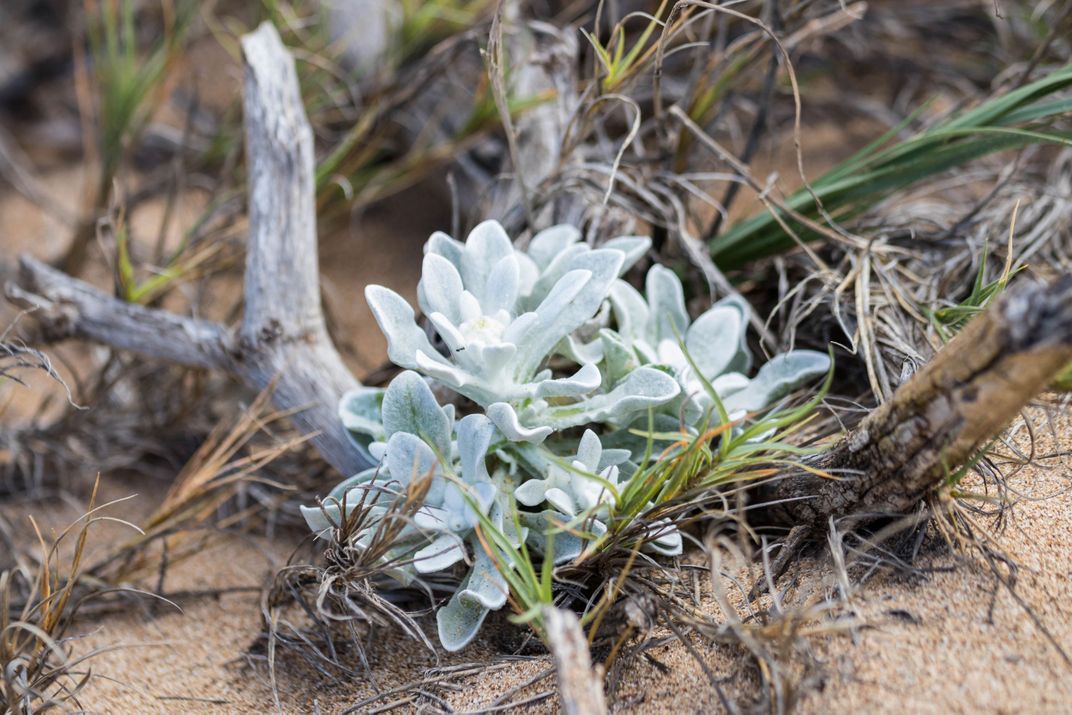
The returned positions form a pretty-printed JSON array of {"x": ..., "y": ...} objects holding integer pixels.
[
  {"x": 942, "y": 417},
  {"x": 343, "y": 596},
  {"x": 580, "y": 687},
  {"x": 209, "y": 480},
  {"x": 38, "y": 604},
  {"x": 17, "y": 357}
]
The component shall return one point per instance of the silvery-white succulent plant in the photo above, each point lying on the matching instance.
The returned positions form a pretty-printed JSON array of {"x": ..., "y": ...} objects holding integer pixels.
[
  {"x": 711, "y": 349},
  {"x": 582, "y": 484},
  {"x": 501, "y": 313},
  {"x": 423, "y": 441},
  {"x": 544, "y": 341}
]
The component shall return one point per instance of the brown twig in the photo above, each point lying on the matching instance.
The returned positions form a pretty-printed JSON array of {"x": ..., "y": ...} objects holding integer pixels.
[{"x": 941, "y": 418}]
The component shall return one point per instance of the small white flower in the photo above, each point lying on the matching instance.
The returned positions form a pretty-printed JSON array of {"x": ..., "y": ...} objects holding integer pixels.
[{"x": 486, "y": 329}]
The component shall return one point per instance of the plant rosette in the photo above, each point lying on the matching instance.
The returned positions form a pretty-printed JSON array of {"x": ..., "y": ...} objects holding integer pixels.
[{"x": 551, "y": 354}]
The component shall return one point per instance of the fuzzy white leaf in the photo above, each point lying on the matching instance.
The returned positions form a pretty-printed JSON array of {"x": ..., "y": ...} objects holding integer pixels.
[
  {"x": 742, "y": 361},
  {"x": 399, "y": 325},
  {"x": 714, "y": 339},
  {"x": 342, "y": 490},
  {"x": 729, "y": 383},
  {"x": 535, "y": 343},
  {"x": 486, "y": 585},
  {"x": 519, "y": 327},
  {"x": 322, "y": 519},
  {"x": 486, "y": 245},
  {"x": 644, "y": 387},
  {"x": 630, "y": 312},
  {"x": 360, "y": 413},
  {"x": 459, "y": 621},
  {"x": 665, "y": 538},
  {"x": 475, "y": 433},
  {"x": 580, "y": 383},
  {"x": 668, "y": 319},
  {"x": 452, "y": 376},
  {"x": 589, "y": 451},
  {"x": 632, "y": 247},
  {"x": 409, "y": 406},
  {"x": 443, "y": 245},
  {"x": 440, "y": 288},
  {"x": 409, "y": 458},
  {"x": 612, "y": 458},
  {"x": 579, "y": 351},
  {"x": 444, "y": 551},
  {"x": 502, "y": 286},
  {"x": 561, "y": 315},
  {"x": 530, "y": 493},
  {"x": 561, "y": 264},
  {"x": 618, "y": 359},
  {"x": 777, "y": 378},
  {"x": 448, "y": 331},
  {"x": 550, "y": 243},
  {"x": 561, "y": 500},
  {"x": 494, "y": 360},
  {"x": 505, "y": 418}
]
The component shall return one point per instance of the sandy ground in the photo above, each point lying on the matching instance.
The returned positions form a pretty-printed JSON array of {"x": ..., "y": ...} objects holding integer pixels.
[{"x": 949, "y": 640}]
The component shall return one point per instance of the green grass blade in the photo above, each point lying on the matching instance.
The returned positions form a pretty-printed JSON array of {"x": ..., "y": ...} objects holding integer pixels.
[{"x": 1011, "y": 121}]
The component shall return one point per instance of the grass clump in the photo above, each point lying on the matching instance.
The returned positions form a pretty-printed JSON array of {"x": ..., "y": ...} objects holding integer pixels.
[
  {"x": 121, "y": 85},
  {"x": 1021, "y": 117},
  {"x": 38, "y": 606}
]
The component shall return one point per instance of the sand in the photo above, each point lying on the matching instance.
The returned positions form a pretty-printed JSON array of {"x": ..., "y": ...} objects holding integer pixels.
[{"x": 951, "y": 640}]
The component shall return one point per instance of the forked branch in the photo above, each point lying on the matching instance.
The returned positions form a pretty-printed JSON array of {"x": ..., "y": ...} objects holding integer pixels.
[{"x": 282, "y": 336}]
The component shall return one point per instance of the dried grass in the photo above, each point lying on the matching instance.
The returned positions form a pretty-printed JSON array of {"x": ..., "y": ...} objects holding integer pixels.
[{"x": 38, "y": 605}]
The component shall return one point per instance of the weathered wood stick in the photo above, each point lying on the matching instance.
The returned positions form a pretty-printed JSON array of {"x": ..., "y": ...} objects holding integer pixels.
[
  {"x": 283, "y": 330},
  {"x": 282, "y": 336},
  {"x": 580, "y": 686},
  {"x": 943, "y": 415},
  {"x": 65, "y": 307}
]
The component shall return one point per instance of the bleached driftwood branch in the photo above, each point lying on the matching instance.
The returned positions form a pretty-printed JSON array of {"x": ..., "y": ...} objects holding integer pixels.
[
  {"x": 283, "y": 330},
  {"x": 282, "y": 336}
]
